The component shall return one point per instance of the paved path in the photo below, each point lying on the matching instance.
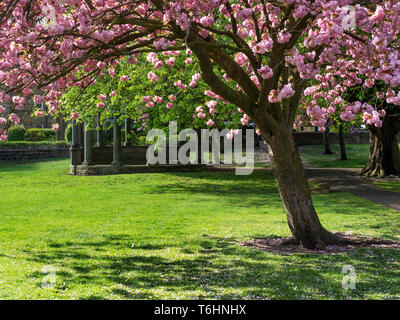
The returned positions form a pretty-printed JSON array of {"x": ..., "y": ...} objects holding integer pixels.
[{"x": 346, "y": 180}]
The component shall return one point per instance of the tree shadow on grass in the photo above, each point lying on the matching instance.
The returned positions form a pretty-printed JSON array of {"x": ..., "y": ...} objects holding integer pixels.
[
  {"x": 217, "y": 182},
  {"x": 215, "y": 268},
  {"x": 28, "y": 165}
]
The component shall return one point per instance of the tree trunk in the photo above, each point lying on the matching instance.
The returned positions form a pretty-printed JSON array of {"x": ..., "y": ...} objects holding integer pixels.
[
  {"x": 342, "y": 143},
  {"x": 295, "y": 193},
  {"x": 325, "y": 136},
  {"x": 384, "y": 156}
]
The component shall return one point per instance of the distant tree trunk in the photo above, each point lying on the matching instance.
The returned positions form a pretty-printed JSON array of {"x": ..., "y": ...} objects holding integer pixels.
[
  {"x": 342, "y": 143},
  {"x": 296, "y": 196},
  {"x": 60, "y": 134},
  {"x": 384, "y": 155},
  {"x": 325, "y": 136}
]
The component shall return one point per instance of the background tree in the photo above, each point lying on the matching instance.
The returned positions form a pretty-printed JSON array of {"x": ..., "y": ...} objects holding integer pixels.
[
  {"x": 384, "y": 155},
  {"x": 152, "y": 104}
]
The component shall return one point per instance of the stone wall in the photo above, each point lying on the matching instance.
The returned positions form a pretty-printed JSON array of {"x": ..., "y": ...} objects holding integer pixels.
[
  {"x": 96, "y": 170},
  {"x": 21, "y": 153},
  {"x": 315, "y": 138},
  {"x": 134, "y": 155}
]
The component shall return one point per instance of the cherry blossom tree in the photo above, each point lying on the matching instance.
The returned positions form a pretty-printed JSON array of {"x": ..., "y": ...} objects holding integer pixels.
[
  {"x": 255, "y": 54},
  {"x": 152, "y": 104}
]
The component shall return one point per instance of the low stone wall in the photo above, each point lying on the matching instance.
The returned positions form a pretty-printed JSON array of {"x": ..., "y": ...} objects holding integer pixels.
[
  {"x": 315, "y": 138},
  {"x": 96, "y": 170},
  {"x": 134, "y": 155},
  {"x": 22, "y": 153}
]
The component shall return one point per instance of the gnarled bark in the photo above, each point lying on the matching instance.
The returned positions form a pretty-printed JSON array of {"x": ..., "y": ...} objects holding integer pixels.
[
  {"x": 296, "y": 196},
  {"x": 384, "y": 156}
]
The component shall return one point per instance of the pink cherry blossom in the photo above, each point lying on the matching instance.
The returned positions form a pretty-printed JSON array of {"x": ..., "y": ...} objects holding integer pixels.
[{"x": 210, "y": 123}]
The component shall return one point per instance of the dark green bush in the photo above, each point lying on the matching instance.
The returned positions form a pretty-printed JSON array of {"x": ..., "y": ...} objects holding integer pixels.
[
  {"x": 35, "y": 135},
  {"x": 68, "y": 134},
  {"x": 19, "y": 144},
  {"x": 16, "y": 133},
  {"x": 40, "y": 135},
  {"x": 50, "y": 134}
]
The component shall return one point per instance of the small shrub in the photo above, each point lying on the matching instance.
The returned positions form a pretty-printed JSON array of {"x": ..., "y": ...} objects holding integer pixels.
[
  {"x": 68, "y": 134},
  {"x": 35, "y": 135},
  {"x": 22, "y": 144},
  {"x": 40, "y": 135},
  {"x": 16, "y": 133},
  {"x": 50, "y": 134}
]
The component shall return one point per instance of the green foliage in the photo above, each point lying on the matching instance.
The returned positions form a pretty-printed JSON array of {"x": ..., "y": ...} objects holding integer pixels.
[
  {"x": 50, "y": 134},
  {"x": 108, "y": 136},
  {"x": 357, "y": 154},
  {"x": 40, "y": 135},
  {"x": 68, "y": 134},
  {"x": 128, "y": 102},
  {"x": 136, "y": 139},
  {"x": 16, "y": 133},
  {"x": 19, "y": 144}
]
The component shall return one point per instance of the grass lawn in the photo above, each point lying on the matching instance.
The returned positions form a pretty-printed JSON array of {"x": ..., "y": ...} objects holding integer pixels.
[
  {"x": 357, "y": 155},
  {"x": 358, "y": 158},
  {"x": 389, "y": 185},
  {"x": 175, "y": 235}
]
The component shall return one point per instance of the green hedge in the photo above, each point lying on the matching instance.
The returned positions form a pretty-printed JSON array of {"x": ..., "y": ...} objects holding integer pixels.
[
  {"x": 19, "y": 144},
  {"x": 68, "y": 134},
  {"x": 16, "y": 133},
  {"x": 40, "y": 135}
]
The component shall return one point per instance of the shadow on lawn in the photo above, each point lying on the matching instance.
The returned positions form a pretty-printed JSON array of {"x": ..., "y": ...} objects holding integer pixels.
[
  {"x": 28, "y": 165},
  {"x": 217, "y": 266},
  {"x": 261, "y": 182}
]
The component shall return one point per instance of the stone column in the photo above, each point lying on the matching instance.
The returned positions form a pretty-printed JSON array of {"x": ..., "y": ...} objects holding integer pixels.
[
  {"x": 199, "y": 150},
  {"x": 87, "y": 155},
  {"x": 75, "y": 150},
  {"x": 128, "y": 141},
  {"x": 75, "y": 142},
  {"x": 116, "y": 143},
  {"x": 100, "y": 141},
  {"x": 80, "y": 134}
]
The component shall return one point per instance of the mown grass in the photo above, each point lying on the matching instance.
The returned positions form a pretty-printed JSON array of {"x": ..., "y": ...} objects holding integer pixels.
[
  {"x": 389, "y": 185},
  {"x": 357, "y": 158},
  {"x": 357, "y": 155},
  {"x": 175, "y": 235}
]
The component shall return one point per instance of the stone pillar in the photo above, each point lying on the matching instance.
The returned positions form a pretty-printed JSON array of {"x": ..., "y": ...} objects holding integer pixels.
[
  {"x": 80, "y": 134},
  {"x": 75, "y": 150},
  {"x": 75, "y": 142},
  {"x": 116, "y": 143},
  {"x": 128, "y": 141},
  {"x": 60, "y": 133},
  {"x": 100, "y": 141},
  {"x": 199, "y": 151},
  {"x": 87, "y": 155}
]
